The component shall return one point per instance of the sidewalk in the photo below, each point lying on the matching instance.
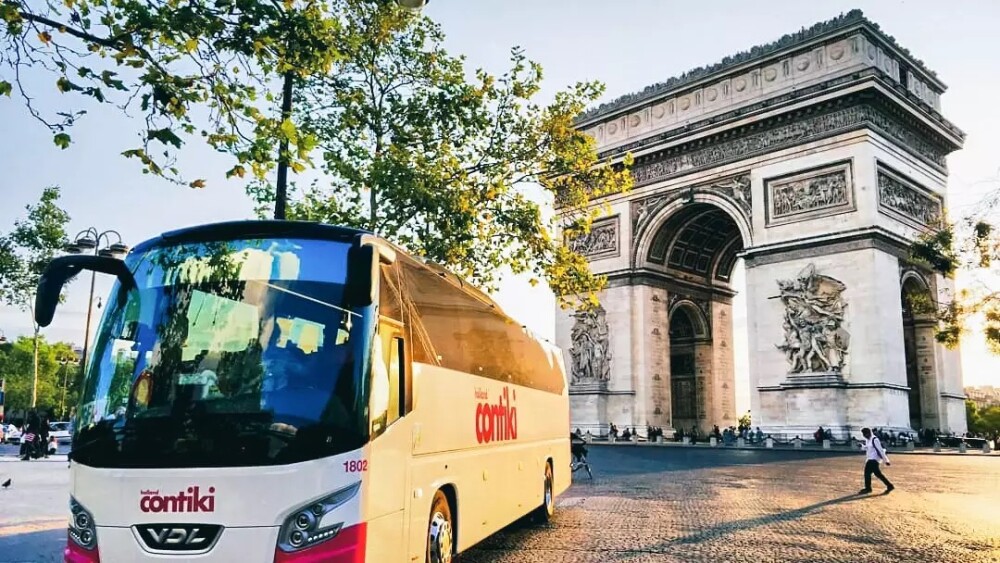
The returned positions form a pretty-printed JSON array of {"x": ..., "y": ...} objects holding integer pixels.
[
  {"x": 61, "y": 458},
  {"x": 788, "y": 448}
]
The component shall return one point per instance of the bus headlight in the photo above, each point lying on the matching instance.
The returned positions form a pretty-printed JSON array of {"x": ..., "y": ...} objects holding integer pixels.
[
  {"x": 304, "y": 527},
  {"x": 81, "y": 526}
]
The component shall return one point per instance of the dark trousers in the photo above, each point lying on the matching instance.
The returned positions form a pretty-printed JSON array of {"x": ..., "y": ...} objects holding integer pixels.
[{"x": 872, "y": 468}]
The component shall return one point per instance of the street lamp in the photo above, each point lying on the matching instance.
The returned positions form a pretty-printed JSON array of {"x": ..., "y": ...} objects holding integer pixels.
[
  {"x": 85, "y": 241},
  {"x": 281, "y": 189},
  {"x": 63, "y": 362}
]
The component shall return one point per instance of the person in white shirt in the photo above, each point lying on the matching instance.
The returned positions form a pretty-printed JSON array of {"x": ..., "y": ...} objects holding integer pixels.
[{"x": 874, "y": 453}]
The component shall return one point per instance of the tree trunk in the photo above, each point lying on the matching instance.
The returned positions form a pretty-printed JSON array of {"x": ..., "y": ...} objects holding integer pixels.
[{"x": 34, "y": 383}]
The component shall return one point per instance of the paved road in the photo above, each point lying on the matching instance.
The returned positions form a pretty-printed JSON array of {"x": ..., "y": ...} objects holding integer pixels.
[
  {"x": 684, "y": 504},
  {"x": 678, "y": 504}
]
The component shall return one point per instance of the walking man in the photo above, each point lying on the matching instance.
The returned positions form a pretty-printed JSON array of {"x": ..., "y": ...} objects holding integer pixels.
[{"x": 875, "y": 453}]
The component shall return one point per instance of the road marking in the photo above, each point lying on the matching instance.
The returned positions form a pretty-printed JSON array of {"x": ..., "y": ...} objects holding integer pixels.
[{"x": 34, "y": 526}]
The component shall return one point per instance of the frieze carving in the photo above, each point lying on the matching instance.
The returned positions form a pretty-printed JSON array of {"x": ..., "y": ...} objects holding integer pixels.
[
  {"x": 809, "y": 194},
  {"x": 815, "y": 339},
  {"x": 602, "y": 240},
  {"x": 735, "y": 188},
  {"x": 907, "y": 201},
  {"x": 786, "y": 135},
  {"x": 591, "y": 349}
]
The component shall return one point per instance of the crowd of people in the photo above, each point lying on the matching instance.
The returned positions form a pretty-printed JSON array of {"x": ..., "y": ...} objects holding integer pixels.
[{"x": 35, "y": 439}]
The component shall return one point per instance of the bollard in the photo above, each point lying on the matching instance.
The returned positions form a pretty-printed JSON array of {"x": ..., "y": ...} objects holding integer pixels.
[
  {"x": 741, "y": 442},
  {"x": 937, "y": 446},
  {"x": 713, "y": 442},
  {"x": 986, "y": 447},
  {"x": 798, "y": 442},
  {"x": 961, "y": 447},
  {"x": 769, "y": 442},
  {"x": 910, "y": 446},
  {"x": 686, "y": 440},
  {"x": 826, "y": 444},
  {"x": 589, "y": 437}
]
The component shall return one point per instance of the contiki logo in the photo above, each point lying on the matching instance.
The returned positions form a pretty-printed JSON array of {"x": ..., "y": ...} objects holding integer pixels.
[
  {"x": 496, "y": 422},
  {"x": 185, "y": 501}
]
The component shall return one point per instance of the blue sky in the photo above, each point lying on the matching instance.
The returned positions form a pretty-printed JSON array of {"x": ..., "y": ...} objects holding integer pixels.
[{"x": 627, "y": 44}]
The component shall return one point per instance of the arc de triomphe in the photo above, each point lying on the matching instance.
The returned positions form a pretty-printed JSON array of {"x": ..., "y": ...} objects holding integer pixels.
[{"x": 816, "y": 159}]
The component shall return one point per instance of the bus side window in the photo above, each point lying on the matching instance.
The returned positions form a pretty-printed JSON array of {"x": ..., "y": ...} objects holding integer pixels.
[{"x": 397, "y": 380}]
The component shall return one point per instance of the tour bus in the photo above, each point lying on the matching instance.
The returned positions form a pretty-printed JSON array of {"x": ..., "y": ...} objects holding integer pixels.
[{"x": 286, "y": 391}]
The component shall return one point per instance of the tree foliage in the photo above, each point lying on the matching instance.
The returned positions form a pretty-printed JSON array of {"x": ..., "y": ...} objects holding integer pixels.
[
  {"x": 970, "y": 245},
  {"x": 202, "y": 69},
  {"x": 28, "y": 248},
  {"x": 450, "y": 164},
  {"x": 56, "y": 365},
  {"x": 983, "y": 421}
]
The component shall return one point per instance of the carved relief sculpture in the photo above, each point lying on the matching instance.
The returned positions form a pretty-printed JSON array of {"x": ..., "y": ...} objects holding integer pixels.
[
  {"x": 815, "y": 340},
  {"x": 591, "y": 349},
  {"x": 909, "y": 202},
  {"x": 810, "y": 194},
  {"x": 601, "y": 240}
]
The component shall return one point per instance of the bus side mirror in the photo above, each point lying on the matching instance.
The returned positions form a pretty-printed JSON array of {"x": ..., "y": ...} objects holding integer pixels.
[
  {"x": 62, "y": 269},
  {"x": 362, "y": 275}
]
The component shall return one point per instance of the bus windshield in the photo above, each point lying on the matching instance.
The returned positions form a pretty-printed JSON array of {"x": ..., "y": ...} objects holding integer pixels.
[{"x": 231, "y": 353}]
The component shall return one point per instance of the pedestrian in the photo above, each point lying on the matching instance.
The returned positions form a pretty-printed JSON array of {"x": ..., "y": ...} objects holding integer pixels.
[{"x": 874, "y": 454}]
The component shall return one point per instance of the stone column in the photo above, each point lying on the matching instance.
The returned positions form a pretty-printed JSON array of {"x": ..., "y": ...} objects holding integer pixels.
[
  {"x": 723, "y": 390},
  {"x": 657, "y": 350},
  {"x": 704, "y": 385},
  {"x": 930, "y": 399}
]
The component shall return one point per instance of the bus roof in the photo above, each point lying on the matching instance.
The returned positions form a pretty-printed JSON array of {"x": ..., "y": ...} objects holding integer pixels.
[{"x": 249, "y": 229}]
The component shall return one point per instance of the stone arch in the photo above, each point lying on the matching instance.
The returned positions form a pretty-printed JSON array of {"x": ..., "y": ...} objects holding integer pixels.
[
  {"x": 647, "y": 229},
  {"x": 919, "y": 326},
  {"x": 690, "y": 336},
  {"x": 700, "y": 329}
]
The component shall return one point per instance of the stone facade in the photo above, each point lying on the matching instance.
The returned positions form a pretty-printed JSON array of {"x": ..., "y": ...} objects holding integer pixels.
[{"x": 817, "y": 160}]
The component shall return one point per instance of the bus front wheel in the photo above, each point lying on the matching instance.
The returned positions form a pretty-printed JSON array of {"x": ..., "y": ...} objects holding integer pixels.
[
  {"x": 440, "y": 531},
  {"x": 547, "y": 509}
]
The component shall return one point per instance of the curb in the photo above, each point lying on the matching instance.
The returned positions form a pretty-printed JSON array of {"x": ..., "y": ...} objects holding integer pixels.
[{"x": 972, "y": 453}]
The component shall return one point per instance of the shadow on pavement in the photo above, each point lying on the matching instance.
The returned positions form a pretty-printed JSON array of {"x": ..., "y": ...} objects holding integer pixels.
[
  {"x": 42, "y": 546},
  {"x": 715, "y": 532}
]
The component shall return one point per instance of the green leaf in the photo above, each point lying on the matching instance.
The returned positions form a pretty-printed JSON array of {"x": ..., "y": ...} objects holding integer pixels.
[
  {"x": 61, "y": 140},
  {"x": 5, "y": 88},
  {"x": 165, "y": 136}
]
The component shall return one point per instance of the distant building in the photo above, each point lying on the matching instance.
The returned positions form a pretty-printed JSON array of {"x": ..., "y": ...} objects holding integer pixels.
[{"x": 984, "y": 396}]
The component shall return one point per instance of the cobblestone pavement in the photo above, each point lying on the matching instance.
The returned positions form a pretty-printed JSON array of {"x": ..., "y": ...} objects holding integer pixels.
[{"x": 685, "y": 504}]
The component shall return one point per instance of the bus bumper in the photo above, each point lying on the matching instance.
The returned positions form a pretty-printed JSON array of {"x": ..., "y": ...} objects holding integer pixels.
[{"x": 246, "y": 545}]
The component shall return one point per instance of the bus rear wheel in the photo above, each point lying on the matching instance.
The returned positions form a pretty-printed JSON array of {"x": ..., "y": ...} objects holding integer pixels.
[
  {"x": 440, "y": 531},
  {"x": 547, "y": 509}
]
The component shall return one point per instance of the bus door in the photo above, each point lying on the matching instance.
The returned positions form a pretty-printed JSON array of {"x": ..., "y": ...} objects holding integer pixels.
[{"x": 387, "y": 471}]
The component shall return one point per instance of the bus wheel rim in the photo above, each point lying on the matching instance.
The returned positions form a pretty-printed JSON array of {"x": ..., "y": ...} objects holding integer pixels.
[{"x": 440, "y": 539}]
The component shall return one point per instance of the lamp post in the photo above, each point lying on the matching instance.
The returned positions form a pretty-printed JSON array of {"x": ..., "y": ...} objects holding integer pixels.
[
  {"x": 287, "y": 88},
  {"x": 90, "y": 240}
]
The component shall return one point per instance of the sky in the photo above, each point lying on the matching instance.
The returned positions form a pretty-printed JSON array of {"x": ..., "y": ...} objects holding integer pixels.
[{"x": 626, "y": 44}]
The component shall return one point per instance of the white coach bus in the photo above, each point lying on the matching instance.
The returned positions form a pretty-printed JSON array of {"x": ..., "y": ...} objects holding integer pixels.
[{"x": 284, "y": 391}]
